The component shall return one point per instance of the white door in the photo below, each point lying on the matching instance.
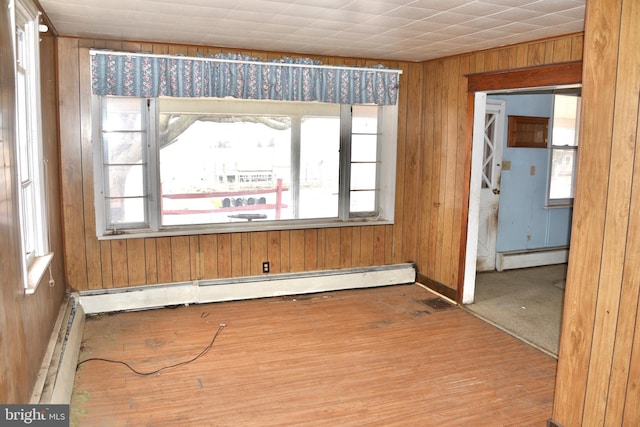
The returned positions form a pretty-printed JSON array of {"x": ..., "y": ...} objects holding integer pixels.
[{"x": 490, "y": 185}]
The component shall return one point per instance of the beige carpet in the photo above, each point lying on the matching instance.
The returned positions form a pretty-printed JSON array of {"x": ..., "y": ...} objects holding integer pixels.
[{"x": 526, "y": 303}]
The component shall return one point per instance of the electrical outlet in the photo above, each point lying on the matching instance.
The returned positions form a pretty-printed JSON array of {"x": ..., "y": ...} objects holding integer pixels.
[{"x": 265, "y": 267}]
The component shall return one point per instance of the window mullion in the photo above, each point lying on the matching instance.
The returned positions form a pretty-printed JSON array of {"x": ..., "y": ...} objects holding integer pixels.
[
  {"x": 296, "y": 134},
  {"x": 154, "y": 201},
  {"x": 344, "y": 202}
]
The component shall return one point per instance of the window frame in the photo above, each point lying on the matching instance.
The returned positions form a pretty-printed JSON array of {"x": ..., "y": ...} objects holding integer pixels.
[
  {"x": 553, "y": 147},
  {"x": 32, "y": 203},
  {"x": 386, "y": 163}
]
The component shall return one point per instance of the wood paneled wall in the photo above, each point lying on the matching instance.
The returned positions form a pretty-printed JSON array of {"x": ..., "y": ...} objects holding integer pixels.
[
  {"x": 26, "y": 321},
  {"x": 431, "y": 185},
  {"x": 93, "y": 264},
  {"x": 598, "y": 380},
  {"x": 445, "y": 148}
]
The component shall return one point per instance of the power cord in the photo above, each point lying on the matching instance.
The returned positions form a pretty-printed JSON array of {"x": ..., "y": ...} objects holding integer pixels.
[{"x": 119, "y": 362}]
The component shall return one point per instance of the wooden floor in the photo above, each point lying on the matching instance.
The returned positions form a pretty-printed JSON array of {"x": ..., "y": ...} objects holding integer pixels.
[{"x": 388, "y": 356}]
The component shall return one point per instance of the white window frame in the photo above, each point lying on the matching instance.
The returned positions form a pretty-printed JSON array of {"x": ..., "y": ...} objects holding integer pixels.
[
  {"x": 563, "y": 202},
  {"x": 34, "y": 242},
  {"x": 387, "y": 135}
]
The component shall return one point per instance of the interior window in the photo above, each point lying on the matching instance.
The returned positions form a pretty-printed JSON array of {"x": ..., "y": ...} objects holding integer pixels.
[{"x": 564, "y": 148}]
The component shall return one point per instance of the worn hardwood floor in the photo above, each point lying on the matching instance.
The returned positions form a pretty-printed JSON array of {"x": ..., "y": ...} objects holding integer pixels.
[{"x": 352, "y": 358}]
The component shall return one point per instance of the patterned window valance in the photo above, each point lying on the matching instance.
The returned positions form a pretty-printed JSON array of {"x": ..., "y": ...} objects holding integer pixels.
[{"x": 238, "y": 76}]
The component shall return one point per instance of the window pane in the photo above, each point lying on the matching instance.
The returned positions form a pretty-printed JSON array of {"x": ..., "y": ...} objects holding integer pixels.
[
  {"x": 565, "y": 120},
  {"x": 365, "y": 119},
  {"x": 363, "y": 201},
  {"x": 363, "y": 176},
  {"x": 222, "y": 168},
  {"x": 319, "y": 167},
  {"x": 123, "y": 114},
  {"x": 125, "y": 181},
  {"x": 125, "y": 147},
  {"x": 364, "y": 148},
  {"x": 562, "y": 173},
  {"x": 28, "y": 219},
  {"x": 125, "y": 211}
]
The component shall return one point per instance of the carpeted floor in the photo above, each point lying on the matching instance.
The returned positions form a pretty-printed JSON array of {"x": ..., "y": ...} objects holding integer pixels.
[{"x": 526, "y": 303}]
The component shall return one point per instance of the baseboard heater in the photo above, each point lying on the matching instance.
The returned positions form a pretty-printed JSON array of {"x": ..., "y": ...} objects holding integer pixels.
[
  {"x": 531, "y": 258},
  {"x": 206, "y": 291},
  {"x": 54, "y": 384}
]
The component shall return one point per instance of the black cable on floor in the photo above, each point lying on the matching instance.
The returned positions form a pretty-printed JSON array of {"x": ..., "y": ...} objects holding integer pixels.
[{"x": 119, "y": 362}]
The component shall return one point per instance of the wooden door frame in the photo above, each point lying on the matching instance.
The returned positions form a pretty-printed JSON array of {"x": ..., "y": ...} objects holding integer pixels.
[{"x": 566, "y": 73}]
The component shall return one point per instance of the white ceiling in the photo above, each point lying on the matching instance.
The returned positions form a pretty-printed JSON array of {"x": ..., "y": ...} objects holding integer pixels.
[{"x": 409, "y": 30}]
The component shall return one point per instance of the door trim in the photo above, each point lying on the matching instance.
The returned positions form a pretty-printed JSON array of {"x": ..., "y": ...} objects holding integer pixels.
[{"x": 547, "y": 75}]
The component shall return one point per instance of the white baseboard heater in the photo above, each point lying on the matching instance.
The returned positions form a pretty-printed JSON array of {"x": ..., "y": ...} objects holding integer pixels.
[
  {"x": 206, "y": 291},
  {"x": 531, "y": 258}
]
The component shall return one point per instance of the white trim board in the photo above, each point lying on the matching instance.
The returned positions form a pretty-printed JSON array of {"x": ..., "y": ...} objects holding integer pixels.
[
  {"x": 197, "y": 292},
  {"x": 534, "y": 258}
]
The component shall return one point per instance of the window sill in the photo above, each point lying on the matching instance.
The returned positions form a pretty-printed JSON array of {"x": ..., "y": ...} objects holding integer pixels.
[
  {"x": 241, "y": 227},
  {"x": 36, "y": 272},
  {"x": 558, "y": 206}
]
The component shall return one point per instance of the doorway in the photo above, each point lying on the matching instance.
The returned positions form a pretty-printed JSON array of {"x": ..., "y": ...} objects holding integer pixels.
[{"x": 512, "y": 206}]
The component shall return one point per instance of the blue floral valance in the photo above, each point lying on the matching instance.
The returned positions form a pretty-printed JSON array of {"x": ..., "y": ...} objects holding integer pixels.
[{"x": 238, "y": 76}]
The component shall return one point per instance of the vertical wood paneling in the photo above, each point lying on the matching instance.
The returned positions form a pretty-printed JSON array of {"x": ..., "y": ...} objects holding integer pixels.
[
  {"x": 310, "y": 249},
  {"x": 151, "y": 261},
  {"x": 274, "y": 251},
  {"x": 356, "y": 236},
  {"x": 71, "y": 164},
  {"x": 119, "y": 263},
  {"x": 258, "y": 252},
  {"x": 462, "y": 176},
  {"x": 562, "y": 50},
  {"x": 332, "y": 257},
  {"x": 208, "y": 255},
  {"x": 296, "y": 254},
  {"x": 379, "y": 257},
  {"x": 194, "y": 257},
  {"x": 346, "y": 244},
  {"x": 180, "y": 258},
  {"x": 595, "y": 384},
  {"x": 366, "y": 246},
  {"x": 92, "y": 246},
  {"x": 224, "y": 255},
  {"x": 448, "y": 196},
  {"x": 286, "y": 249},
  {"x": 136, "y": 262},
  {"x": 321, "y": 248},
  {"x": 395, "y": 242},
  {"x": 411, "y": 175},
  {"x": 165, "y": 263},
  {"x": 236, "y": 254},
  {"x": 246, "y": 254},
  {"x": 106, "y": 264}
]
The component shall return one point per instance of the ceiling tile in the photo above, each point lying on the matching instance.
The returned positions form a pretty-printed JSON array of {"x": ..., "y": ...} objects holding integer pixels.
[{"x": 411, "y": 30}]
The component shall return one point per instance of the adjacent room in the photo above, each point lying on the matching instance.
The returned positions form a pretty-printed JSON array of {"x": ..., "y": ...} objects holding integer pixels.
[{"x": 288, "y": 212}]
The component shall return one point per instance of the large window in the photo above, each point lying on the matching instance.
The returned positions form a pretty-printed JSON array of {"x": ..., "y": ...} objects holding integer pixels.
[
  {"x": 564, "y": 148},
  {"x": 179, "y": 165},
  {"x": 33, "y": 226}
]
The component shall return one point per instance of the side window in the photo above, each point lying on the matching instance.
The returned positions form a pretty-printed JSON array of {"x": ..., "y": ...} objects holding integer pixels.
[
  {"x": 564, "y": 149},
  {"x": 29, "y": 146}
]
